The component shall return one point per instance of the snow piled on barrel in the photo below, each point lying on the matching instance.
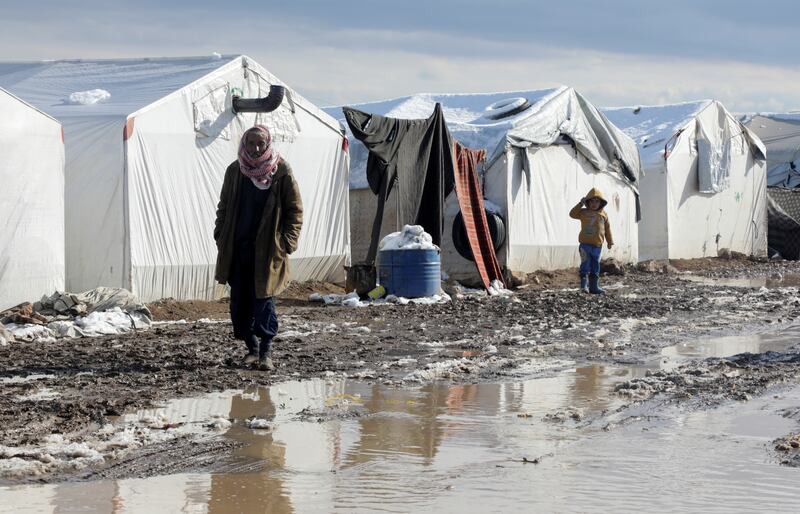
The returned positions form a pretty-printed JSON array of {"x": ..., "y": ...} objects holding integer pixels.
[{"x": 412, "y": 237}]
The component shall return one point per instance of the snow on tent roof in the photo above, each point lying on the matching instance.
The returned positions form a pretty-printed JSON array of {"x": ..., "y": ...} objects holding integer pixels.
[
  {"x": 466, "y": 114},
  {"x": 520, "y": 118},
  {"x": 653, "y": 125},
  {"x": 131, "y": 83},
  {"x": 793, "y": 117}
]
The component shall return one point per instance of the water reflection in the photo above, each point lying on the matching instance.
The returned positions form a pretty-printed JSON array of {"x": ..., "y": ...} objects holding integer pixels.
[
  {"x": 439, "y": 447},
  {"x": 311, "y": 466},
  {"x": 252, "y": 492},
  {"x": 726, "y": 346},
  {"x": 788, "y": 280}
]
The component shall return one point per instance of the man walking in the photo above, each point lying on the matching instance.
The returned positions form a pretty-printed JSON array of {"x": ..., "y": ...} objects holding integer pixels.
[{"x": 258, "y": 223}]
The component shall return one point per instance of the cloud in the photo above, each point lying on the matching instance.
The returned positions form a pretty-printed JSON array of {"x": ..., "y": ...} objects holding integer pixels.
[
  {"x": 606, "y": 78},
  {"x": 622, "y": 53}
]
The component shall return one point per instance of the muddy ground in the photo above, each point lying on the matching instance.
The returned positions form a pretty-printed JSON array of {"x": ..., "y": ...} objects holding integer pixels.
[{"x": 74, "y": 388}]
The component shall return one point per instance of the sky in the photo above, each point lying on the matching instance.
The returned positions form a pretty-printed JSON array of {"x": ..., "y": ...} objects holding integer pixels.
[{"x": 615, "y": 52}]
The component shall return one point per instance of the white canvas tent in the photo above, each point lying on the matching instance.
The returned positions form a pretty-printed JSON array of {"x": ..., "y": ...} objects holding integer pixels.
[
  {"x": 31, "y": 202},
  {"x": 546, "y": 149},
  {"x": 780, "y": 133},
  {"x": 147, "y": 144},
  {"x": 703, "y": 186}
]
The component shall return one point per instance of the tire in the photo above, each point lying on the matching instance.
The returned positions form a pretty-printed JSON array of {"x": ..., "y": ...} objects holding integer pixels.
[
  {"x": 497, "y": 231},
  {"x": 506, "y": 108}
]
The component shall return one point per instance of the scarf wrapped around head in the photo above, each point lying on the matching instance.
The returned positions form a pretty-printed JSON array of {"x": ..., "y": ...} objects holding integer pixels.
[{"x": 260, "y": 169}]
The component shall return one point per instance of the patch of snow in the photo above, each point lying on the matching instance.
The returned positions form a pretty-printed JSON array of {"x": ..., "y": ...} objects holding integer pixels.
[
  {"x": 110, "y": 322},
  {"x": 295, "y": 333},
  {"x": 259, "y": 424},
  {"x": 219, "y": 423},
  {"x": 397, "y": 299},
  {"x": 429, "y": 300},
  {"x": 448, "y": 369},
  {"x": 41, "y": 395},
  {"x": 36, "y": 333},
  {"x": 352, "y": 302},
  {"x": 27, "y": 378},
  {"x": 412, "y": 237},
  {"x": 169, "y": 322},
  {"x": 528, "y": 367},
  {"x": 432, "y": 344},
  {"x": 365, "y": 374},
  {"x": 347, "y": 300},
  {"x": 496, "y": 288},
  {"x": 651, "y": 127},
  {"x": 89, "y": 97}
]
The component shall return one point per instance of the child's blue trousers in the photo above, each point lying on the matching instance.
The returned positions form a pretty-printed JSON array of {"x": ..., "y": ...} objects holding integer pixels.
[{"x": 590, "y": 259}]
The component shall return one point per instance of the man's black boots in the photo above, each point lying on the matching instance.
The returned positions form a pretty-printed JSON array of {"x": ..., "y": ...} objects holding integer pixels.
[
  {"x": 265, "y": 355},
  {"x": 252, "y": 350}
]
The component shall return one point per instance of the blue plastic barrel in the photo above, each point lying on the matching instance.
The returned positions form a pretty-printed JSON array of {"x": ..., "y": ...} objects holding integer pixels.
[{"x": 410, "y": 273}]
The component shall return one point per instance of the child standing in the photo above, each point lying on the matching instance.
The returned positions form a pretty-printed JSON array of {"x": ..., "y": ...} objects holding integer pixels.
[{"x": 595, "y": 229}]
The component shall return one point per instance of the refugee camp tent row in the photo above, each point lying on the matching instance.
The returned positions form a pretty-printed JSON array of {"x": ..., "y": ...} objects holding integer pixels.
[
  {"x": 31, "y": 202},
  {"x": 545, "y": 150},
  {"x": 780, "y": 133},
  {"x": 703, "y": 187},
  {"x": 147, "y": 145}
]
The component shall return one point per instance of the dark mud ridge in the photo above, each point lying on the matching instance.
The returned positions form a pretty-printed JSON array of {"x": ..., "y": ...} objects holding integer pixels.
[{"x": 713, "y": 381}]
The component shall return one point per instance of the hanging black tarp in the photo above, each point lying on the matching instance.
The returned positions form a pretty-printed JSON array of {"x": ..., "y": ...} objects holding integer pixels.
[{"x": 409, "y": 158}]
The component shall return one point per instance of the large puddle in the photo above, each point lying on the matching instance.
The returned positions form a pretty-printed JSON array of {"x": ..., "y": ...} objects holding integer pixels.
[
  {"x": 771, "y": 282},
  {"x": 343, "y": 446}
]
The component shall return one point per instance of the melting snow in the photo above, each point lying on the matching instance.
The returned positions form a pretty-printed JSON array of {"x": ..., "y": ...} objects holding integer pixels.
[
  {"x": 114, "y": 321},
  {"x": 651, "y": 127},
  {"x": 412, "y": 237},
  {"x": 259, "y": 424}
]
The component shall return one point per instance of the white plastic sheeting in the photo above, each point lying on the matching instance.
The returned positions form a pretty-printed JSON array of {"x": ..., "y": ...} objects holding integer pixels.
[
  {"x": 542, "y": 160},
  {"x": 31, "y": 202},
  {"x": 780, "y": 133},
  {"x": 145, "y": 168},
  {"x": 703, "y": 187}
]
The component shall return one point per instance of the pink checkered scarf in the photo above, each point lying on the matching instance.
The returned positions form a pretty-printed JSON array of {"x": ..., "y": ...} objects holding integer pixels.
[{"x": 261, "y": 169}]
